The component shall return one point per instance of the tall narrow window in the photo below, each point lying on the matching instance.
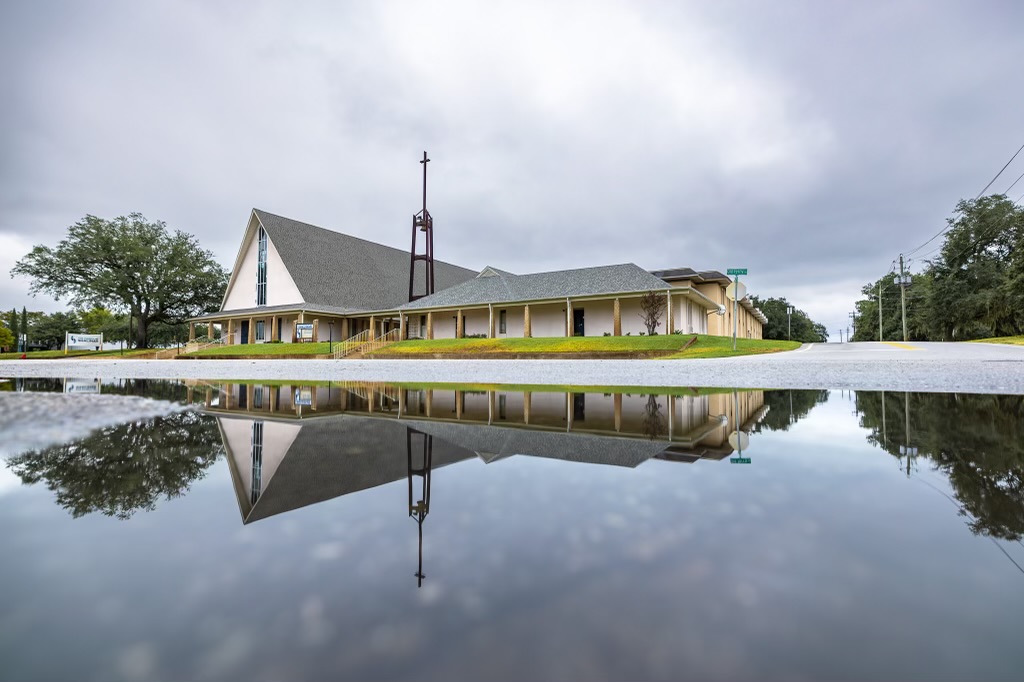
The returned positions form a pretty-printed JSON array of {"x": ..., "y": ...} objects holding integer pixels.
[
  {"x": 256, "y": 482},
  {"x": 261, "y": 269},
  {"x": 261, "y": 330}
]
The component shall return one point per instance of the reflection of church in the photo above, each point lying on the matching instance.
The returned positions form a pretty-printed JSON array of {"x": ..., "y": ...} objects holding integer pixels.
[{"x": 292, "y": 446}]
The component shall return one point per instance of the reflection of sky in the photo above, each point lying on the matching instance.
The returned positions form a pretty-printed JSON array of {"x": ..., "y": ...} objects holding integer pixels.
[{"x": 819, "y": 559}]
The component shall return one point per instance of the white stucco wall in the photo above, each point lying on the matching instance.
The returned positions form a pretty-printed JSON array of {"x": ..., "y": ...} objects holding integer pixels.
[
  {"x": 281, "y": 289},
  {"x": 277, "y": 438},
  {"x": 547, "y": 320}
]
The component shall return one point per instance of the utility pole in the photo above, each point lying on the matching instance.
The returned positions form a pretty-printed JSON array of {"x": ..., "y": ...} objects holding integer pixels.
[
  {"x": 789, "y": 321},
  {"x": 903, "y": 298},
  {"x": 840, "y": 336},
  {"x": 880, "y": 307}
]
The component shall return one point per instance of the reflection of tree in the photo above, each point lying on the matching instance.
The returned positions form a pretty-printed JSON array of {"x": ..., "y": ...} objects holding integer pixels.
[
  {"x": 122, "y": 469},
  {"x": 977, "y": 441},
  {"x": 653, "y": 422},
  {"x": 785, "y": 408}
]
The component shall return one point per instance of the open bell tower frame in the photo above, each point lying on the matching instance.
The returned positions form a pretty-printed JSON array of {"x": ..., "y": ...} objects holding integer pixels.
[{"x": 422, "y": 222}]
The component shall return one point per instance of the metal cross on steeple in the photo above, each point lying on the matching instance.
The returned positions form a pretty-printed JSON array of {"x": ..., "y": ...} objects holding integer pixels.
[{"x": 423, "y": 222}]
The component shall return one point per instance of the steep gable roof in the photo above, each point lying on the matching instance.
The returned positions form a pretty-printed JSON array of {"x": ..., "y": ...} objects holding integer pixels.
[
  {"x": 506, "y": 288},
  {"x": 334, "y": 269}
]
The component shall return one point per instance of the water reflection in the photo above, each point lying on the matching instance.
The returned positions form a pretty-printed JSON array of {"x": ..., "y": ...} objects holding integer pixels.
[
  {"x": 975, "y": 441},
  {"x": 120, "y": 470}
]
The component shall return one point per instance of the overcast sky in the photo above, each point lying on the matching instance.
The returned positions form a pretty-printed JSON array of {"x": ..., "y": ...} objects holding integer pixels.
[{"x": 810, "y": 142}]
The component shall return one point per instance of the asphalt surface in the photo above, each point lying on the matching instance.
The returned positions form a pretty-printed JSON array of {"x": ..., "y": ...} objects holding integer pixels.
[{"x": 933, "y": 367}]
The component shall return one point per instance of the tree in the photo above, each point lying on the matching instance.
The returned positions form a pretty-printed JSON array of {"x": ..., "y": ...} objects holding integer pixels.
[
  {"x": 778, "y": 327},
  {"x": 6, "y": 338},
  {"x": 24, "y": 327},
  {"x": 128, "y": 265},
  {"x": 50, "y": 330},
  {"x": 95, "y": 320},
  {"x": 121, "y": 469},
  {"x": 652, "y": 304}
]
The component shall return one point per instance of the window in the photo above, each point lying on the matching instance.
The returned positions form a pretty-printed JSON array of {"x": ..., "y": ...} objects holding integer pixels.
[
  {"x": 261, "y": 329},
  {"x": 261, "y": 269},
  {"x": 501, "y": 322},
  {"x": 257, "y": 461}
]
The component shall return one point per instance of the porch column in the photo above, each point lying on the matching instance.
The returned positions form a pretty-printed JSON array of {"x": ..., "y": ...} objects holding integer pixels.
[
  {"x": 273, "y": 328},
  {"x": 669, "y": 321},
  {"x": 460, "y": 325},
  {"x": 316, "y": 329},
  {"x": 460, "y": 402},
  {"x": 231, "y": 333},
  {"x": 490, "y": 321},
  {"x": 250, "y": 390},
  {"x": 191, "y": 332},
  {"x": 527, "y": 329},
  {"x": 616, "y": 318},
  {"x": 209, "y": 397},
  {"x": 373, "y": 327},
  {"x": 490, "y": 406},
  {"x": 430, "y": 401},
  {"x": 527, "y": 398},
  {"x": 568, "y": 317},
  {"x": 302, "y": 317},
  {"x": 401, "y": 326},
  {"x": 344, "y": 329},
  {"x": 430, "y": 325},
  {"x": 252, "y": 330},
  {"x": 273, "y": 398},
  {"x": 617, "y": 402}
]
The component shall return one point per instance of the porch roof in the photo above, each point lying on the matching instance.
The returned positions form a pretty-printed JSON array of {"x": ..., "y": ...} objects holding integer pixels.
[
  {"x": 262, "y": 311},
  {"x": 503, "y": 287}
]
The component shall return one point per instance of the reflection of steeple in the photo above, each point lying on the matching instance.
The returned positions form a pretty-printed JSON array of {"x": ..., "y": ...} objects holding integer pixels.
[{"x": 422, "y": 469}]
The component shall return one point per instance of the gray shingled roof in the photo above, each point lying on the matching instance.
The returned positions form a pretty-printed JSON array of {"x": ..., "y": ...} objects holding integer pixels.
[
  {"x": 689, "y": 273},
  {"x": 335, "y": 456},
  {"x": 506, "y": 288},
  {"x": 338, "y": 270}
]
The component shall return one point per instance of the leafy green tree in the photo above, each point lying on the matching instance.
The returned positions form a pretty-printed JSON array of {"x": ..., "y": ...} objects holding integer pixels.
[
  {"x": 120, "y": 470},
  {"x": 49, "y": 330},
  {"x": 6, "y": 338},
  {"x": 23, "y": 328},
  {"x": 93, "y": 321},
  {"x": 12, "y": 323},
  {"x": 866, "y": 316},
  {"x": 804, "y": 328},
  {"x": 976, "y": 286},
  {"x": 128, "y": 265}
]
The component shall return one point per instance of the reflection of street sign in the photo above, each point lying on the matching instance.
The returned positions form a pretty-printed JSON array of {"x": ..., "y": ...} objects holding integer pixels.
[
  {"x": 736, "y": 291},
  {"x": 304, "y": 396},
  {"x": 740, "y": 460},
  {"x": 739, "y": 440},
  {"x": 736, "y": 271}
]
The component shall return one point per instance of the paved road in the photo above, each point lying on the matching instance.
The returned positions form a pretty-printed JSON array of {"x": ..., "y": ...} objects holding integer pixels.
[{"x": 964, "y": 367}]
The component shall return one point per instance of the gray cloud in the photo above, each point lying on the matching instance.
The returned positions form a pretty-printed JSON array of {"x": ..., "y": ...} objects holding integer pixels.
[{"x": 809, "y": 142}]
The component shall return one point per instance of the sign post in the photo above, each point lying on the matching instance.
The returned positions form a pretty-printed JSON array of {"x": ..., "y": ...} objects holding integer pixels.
[{"x": 735, "y": 291}]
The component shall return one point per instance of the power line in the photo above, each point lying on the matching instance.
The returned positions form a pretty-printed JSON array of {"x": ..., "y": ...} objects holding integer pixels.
[
  {"x": 999, "y": 173},
  {"x": 1014, "y": 183},
  {"x": 946, "y": 229}
]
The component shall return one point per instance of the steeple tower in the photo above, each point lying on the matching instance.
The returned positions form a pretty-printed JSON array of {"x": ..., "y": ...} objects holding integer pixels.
[{"x": 424, "y": 223}]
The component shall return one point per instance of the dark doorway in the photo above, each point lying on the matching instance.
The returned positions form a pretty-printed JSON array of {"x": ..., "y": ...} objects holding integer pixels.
[
  {"x": 245, "y": 331},
  {"x": 579, "y": 406},
  {"x": 577, "y": 322}
]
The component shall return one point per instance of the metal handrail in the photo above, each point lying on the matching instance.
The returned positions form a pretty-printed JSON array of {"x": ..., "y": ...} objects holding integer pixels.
[{"x": 364, "y": 342}]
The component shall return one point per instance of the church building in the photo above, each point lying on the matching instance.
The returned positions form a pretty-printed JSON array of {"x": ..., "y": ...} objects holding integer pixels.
[{"x": 293, "y": 281}]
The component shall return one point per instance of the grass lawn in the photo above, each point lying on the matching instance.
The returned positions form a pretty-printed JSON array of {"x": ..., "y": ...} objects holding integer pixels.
[
  {"x": 1012, "y": 340},
  {"x": 262, "y": 350},
  {"x": 704, "y": 347},
  {"x": 58, "y": 354}
]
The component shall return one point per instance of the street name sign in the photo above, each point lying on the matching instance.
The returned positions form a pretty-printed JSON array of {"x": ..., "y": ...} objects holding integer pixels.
[{"x": 736, "y": 271}]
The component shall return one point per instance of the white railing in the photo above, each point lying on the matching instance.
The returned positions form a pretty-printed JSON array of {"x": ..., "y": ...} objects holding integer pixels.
[{"x": 202, "y": 343}]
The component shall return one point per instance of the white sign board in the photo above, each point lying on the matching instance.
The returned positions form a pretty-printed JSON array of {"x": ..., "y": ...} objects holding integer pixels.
[
  {"x": 736, "y": 291},
  {"x": 83, "y": 340},
  {"x": 81, "y": 385}
]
